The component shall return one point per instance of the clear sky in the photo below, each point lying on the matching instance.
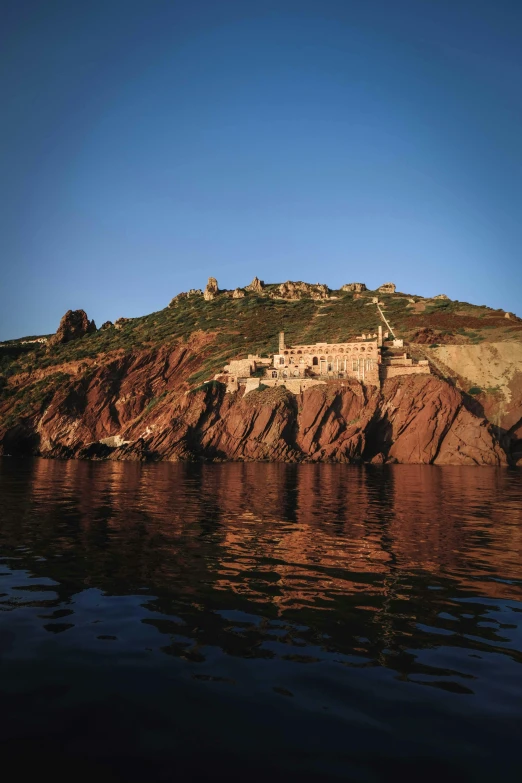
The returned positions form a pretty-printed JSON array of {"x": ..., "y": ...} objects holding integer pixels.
[{"x": 148, "y": 144}]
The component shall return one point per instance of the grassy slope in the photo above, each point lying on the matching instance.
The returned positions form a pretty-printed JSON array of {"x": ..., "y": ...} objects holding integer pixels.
[{"x": 251, "y": 325}]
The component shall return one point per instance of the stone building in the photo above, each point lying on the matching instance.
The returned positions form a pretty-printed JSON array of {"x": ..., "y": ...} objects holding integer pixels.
[
  {"x": 403, "y": 365},
  {"x": 298, "y": 367},
  {"x": 359, "y": 360},
  {"x": 245, "y": 367}
]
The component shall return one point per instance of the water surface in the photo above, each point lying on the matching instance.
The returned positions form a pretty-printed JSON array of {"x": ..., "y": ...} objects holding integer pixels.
[{"x": 260, "y": 621}]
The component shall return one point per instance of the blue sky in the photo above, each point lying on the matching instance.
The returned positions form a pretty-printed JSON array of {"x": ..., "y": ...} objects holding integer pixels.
[{"x": 148, "y": 144}]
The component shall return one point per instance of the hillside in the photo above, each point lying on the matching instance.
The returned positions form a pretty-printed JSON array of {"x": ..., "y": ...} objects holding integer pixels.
[{"x": 135, "y": 375}]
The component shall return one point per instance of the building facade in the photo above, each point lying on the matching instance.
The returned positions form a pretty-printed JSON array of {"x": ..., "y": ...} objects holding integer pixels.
[
  {"x": 359, "y": 360},
  {"x": 299, "y": 367}
]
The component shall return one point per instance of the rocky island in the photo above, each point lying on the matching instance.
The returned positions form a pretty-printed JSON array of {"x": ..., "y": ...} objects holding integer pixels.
[{"x": 294, "y": 372}]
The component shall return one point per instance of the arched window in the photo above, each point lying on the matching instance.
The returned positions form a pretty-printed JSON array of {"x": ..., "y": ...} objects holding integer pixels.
[
  {"x": 315, "y": 361},
  {"x": 274, "y": 373},
  {"x": 299, "y": 352},
  {"x": 341, "y": 350},
  {"x": 301, "y": 360},
  {"x": 286, "y": 353}
]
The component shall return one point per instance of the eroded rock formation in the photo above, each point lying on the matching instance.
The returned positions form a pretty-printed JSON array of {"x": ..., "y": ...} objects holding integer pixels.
[
  {"x": 185, "y": 295},
  {"x": 292, "y": 290},
  {"x": 355, "y": 287},
  {"x": 387, "y": 288},
  {"x": 256, "y": 285},
  {"x": 211, "y": 289},
  {"x": 74, "y": 324}
]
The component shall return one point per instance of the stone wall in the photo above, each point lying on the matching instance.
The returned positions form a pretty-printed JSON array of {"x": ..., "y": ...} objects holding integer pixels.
[
  {"x": 240, "y": 367},
  {"x": 294, "y": 385},
  {"x": 388, "y": 371}
]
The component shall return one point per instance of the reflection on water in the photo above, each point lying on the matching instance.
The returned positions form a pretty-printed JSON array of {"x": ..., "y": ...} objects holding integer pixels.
[{"x": 239, "y": 621}]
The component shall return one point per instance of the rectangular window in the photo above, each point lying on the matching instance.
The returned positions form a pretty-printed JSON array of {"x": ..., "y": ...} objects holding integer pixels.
[{"x": 355, "y": 365}]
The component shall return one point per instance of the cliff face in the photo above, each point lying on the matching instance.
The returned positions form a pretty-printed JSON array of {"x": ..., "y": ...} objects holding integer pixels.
[
  {"x": 495, "y": 370},
  {"x": 137, "y": 407}
]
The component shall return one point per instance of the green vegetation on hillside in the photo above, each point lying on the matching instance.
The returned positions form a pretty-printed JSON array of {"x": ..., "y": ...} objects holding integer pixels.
[{"x": 252, "y": 324}]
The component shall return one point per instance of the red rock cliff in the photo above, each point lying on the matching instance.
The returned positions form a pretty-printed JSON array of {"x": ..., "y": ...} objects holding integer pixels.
[{"x": 137, "y": 407}]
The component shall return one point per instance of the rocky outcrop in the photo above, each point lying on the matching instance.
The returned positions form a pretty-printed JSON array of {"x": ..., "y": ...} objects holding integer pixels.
[
  {"x": 74, "y": 324},
  {"x": 354, "y": 287},
  {"x": 138, "y": 407},
  {"x": 387, "y": 288},
  {"x": 425, "y": 420},
  {"x": 185, "y": 295},
  {"x": 211, "y": 289},
  {"x": 441, "y": 296},
  {"x": 238, "y": 293},
  {"x": 256, "y": 286},
  {"x": 119, "y": 323},
  {"x": 291, "y": 290},
  {"x": 106, "y": 325}
]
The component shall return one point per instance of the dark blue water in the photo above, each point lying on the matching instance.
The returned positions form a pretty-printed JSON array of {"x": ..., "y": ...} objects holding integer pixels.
[{"x": 260, "y": 622}]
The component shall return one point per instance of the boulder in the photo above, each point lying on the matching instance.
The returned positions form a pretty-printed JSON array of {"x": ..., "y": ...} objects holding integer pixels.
[
  {"x": 238, "y": 293},
  {"x": 441, "y": 296},
  {"x": 355, "y": 287},
  {"x": 211, "y": 290},
  {"x": 74, "y": 324}
]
